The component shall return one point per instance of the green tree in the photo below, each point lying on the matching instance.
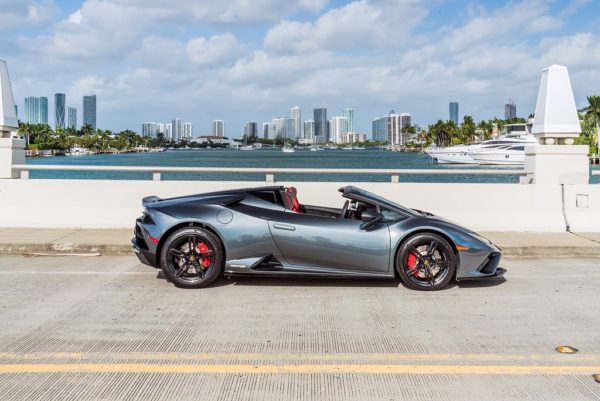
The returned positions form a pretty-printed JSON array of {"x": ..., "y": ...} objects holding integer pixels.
[{"x": 592, "y": 112}]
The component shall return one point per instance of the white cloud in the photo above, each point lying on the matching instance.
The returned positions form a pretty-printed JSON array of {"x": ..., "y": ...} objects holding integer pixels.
[
  {"x": 218, "y": 49},
  {"x": 152, "y": 60},
  {"x": 359, "y": 24},
  {"x": 19, "y": 13}
]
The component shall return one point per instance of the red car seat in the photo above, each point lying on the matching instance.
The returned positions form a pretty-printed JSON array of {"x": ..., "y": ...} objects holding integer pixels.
[{"x": 292, "y": 197}]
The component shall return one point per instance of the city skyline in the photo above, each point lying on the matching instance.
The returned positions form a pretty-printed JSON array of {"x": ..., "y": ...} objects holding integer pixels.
[{"x": 239, "y": 61}]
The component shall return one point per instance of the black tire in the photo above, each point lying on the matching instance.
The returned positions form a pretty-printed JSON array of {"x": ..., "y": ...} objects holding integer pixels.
[
  {"x": 432, "y": 264},
  {"x": 192, "y": 269}
]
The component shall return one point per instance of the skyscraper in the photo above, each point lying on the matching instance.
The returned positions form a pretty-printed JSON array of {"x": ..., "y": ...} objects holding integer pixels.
[
  {"x": 339, "y": 126},
  {"x": 296, "y": 114},
  {"x": 349, "y": 114},
  {"x": 188, "y": 130},
  {"x": 36, "y": 110},
  {"x": 250, "y": 130},
  {"x": 309, "y": 130},
  {"x": 72, "y": 118},
  {"x": 177, "y": 129},
  {"x": 59, "y": 110},
  {"x": 89, "y": 110},
  {"x": 269, "y": 130},
  {"x": 510, "y": 110},
  {"x": 218, "y": 128},
  {"x": 149, "y": 129},
  {"x": 454, "y": 112},
  {"x": 390, "y": 128},
  {"x": 321, "y": 124}
]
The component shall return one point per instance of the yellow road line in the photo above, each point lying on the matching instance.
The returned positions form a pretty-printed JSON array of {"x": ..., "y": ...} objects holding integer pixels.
[
  {"x": 278, "y": 369},
  {"x": 220, "y": 357}
]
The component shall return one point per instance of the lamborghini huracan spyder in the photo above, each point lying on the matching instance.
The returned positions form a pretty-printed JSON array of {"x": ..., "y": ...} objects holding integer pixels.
[{"x": 266, "y": 231}]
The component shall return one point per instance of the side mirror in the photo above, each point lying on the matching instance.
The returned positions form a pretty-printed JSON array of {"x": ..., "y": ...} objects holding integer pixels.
[{"x": 370, "y": 218}]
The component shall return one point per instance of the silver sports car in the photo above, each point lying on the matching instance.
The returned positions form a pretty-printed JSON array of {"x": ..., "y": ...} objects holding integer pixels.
[{"x": 266, "y": 231}]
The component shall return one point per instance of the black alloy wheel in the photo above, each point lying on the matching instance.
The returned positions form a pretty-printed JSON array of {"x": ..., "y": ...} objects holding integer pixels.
[
  {"x": 192, "y": 257},
  {"x": 426, "y": 262}
]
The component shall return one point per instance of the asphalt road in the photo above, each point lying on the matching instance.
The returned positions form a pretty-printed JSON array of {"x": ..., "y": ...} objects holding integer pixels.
[{"x": 109, "y": 328}]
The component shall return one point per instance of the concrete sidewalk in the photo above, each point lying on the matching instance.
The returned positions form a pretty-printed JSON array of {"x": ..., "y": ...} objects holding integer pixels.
[{"x": 117, "y": 242}]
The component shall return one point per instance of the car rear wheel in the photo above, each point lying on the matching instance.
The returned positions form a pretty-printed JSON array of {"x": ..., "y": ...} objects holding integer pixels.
[
  {"x": 426, "y": 262},
  {"x": 192, "y": 257}
]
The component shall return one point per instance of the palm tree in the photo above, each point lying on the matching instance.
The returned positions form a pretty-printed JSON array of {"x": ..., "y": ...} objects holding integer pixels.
[{"x": 593, "y": 111}]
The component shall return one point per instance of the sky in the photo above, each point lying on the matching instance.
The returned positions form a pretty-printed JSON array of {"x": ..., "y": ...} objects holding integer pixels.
[{"x": 242, "y": 60}]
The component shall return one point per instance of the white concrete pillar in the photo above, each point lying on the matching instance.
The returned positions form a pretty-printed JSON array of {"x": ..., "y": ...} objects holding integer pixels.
[
  {"x": 12, "y": 150},
  {"x": 555, "y": 160}
]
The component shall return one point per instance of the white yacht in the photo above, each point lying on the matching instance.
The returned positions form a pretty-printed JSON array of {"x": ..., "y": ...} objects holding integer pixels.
[
  {"x": 288, "y": 149},
  {"x": 78, "y": 151},
  {"x": 507, "y": 155},
  {"x": 507, "y": 149}
]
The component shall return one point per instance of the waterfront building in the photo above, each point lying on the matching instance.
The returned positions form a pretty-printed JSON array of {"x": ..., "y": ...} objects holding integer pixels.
[
  {"x": 391, "y": 128},
  {"x": 309, "y": 131},
  {"x": 321, "y": 125},
  {"x": 296, "y": 114},
  {"x": 160, "y": 128},
  {"x": 59, "y": 110},
  {"x": 218, "y": 128},
  {"x": 72, "y": 122},
  {"x": 348, "y": 113},
  {"x": 285, "y": 128},
  {"x": 177, "y": 129},
  {"x": 339, "y": 126},
  {"x": 36, "y": 110},
  {"x": 453, "y": 109},
  {"x": 188, "y": 130},
  {"x": 89, "y": 110},
  {"x": 353, "y": 137},
  {"x": 168, "y": 132},
  {"x": 149, "y": 129},
  {"x": 405, "y": 122},
  {"x": 510, "y": 110},
  {"x": 250, "y": 130}
]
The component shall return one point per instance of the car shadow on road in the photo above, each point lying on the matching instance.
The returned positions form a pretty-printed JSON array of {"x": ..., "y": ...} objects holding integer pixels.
[{"x": 266, "y": 281}]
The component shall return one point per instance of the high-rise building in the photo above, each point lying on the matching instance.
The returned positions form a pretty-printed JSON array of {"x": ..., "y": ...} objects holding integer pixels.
[
  {"x": 150, "y": 129},
  {"x": 177, "y": 129},
  {"x": 285, "y": 128},
  {"x": 218, "y": 128},
  {"x": 168, "y": 132},
  {"x": 89, "y": 111},
  {"x": 309, "y": 130},
  {"x": 72, "y": 123},
  {"x": 453, "y": 108},
  {"x": 321, "y": 124},
  {"x": 391, "y": 128},
  {"x": 250, "y": 130},
  {"x": 349, "y": 114},
  {"x": 188, "y": 130},
  {"x": 339, "y": 126},
  {"x": 269, "y": 130},
  {"x": 510, "y": 110},
  {"x": 36, "y": 110},
  {"x": 59, "y": 110},
  {"x": 296, "y": 114}
]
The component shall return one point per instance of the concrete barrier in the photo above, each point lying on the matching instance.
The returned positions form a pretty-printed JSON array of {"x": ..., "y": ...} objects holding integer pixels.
[
  {"x": 115, "y": 204},
  {"x": 582, "y": 207}
]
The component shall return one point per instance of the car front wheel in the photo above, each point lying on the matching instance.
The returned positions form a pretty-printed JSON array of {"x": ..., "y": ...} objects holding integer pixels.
[{"x": 426, "y": 262}]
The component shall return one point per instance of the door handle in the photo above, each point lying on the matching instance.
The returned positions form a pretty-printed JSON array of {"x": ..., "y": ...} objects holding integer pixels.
[{"x": 280, "y": 226}]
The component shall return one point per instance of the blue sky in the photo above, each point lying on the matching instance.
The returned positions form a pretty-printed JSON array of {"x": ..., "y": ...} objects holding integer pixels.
[{"x": 240, "y": 60}]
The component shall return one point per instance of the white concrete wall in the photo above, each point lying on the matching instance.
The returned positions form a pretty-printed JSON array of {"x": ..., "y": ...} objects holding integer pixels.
[
  {"x": 115, "y": 204},
  {"x": 582, "y": 206}
]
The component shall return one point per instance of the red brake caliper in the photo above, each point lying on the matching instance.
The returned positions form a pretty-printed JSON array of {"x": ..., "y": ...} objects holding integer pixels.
[
  {"x": 203, "y": 248},
  {"x": 412, "y": 263}
]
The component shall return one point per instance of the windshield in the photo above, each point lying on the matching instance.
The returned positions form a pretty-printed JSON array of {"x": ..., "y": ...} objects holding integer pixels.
[{"x": 380, "y": 200}]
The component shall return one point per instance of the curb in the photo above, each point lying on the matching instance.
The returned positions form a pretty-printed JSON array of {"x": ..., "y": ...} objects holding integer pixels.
[
  {"x": 65, "y": 249},
  {"x": 124, "y": 250}
]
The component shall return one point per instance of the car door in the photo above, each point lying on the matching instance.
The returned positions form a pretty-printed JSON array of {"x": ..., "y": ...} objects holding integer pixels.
[{"x": 317, "y": 241}]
